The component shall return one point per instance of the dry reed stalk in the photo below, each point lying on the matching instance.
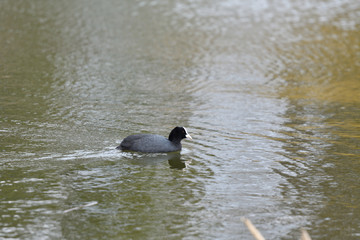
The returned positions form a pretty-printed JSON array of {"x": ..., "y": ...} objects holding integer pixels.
[
  {"x": 253, "y": 229},
  {"x": 305, "y": 235}
]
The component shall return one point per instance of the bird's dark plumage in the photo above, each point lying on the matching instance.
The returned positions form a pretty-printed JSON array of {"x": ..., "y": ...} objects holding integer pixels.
[{"x": 151, "y": 143}]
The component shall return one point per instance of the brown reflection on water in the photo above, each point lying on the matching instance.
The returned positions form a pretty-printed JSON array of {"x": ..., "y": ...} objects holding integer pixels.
[
  {"x": 319, "y": 77},
  {"x": 325, "y": 70}
]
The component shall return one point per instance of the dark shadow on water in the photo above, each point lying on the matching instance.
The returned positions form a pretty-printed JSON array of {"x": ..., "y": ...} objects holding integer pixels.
[
  {"x": 176, "y": 162},
  {"x": 174, "y": 159}
]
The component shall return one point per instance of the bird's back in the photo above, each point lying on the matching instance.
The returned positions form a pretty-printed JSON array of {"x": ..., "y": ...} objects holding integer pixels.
[{"x": 148, "y": 143}]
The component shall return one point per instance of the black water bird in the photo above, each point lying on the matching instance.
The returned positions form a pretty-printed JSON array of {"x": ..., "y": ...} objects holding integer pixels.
[{"x": 151, "y": 143}]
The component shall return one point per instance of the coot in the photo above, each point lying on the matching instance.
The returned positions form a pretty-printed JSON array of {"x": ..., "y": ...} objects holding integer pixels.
[{"x": 151, "y": 143}]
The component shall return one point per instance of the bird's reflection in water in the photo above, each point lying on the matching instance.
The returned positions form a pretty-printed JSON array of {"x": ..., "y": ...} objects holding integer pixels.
[
  {"x": 174, "y": 159},
  {"x": 176, "y": 162}
]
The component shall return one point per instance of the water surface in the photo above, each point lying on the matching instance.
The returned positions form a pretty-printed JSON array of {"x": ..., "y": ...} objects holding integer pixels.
[{"x": 269, "y": 91}]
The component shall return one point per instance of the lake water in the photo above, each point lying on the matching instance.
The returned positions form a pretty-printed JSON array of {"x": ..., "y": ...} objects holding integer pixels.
[{"x": 269, "y": 91}]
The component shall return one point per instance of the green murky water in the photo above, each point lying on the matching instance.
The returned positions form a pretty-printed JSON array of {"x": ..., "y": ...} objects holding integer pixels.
[{"x": 269, "y": 91}]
